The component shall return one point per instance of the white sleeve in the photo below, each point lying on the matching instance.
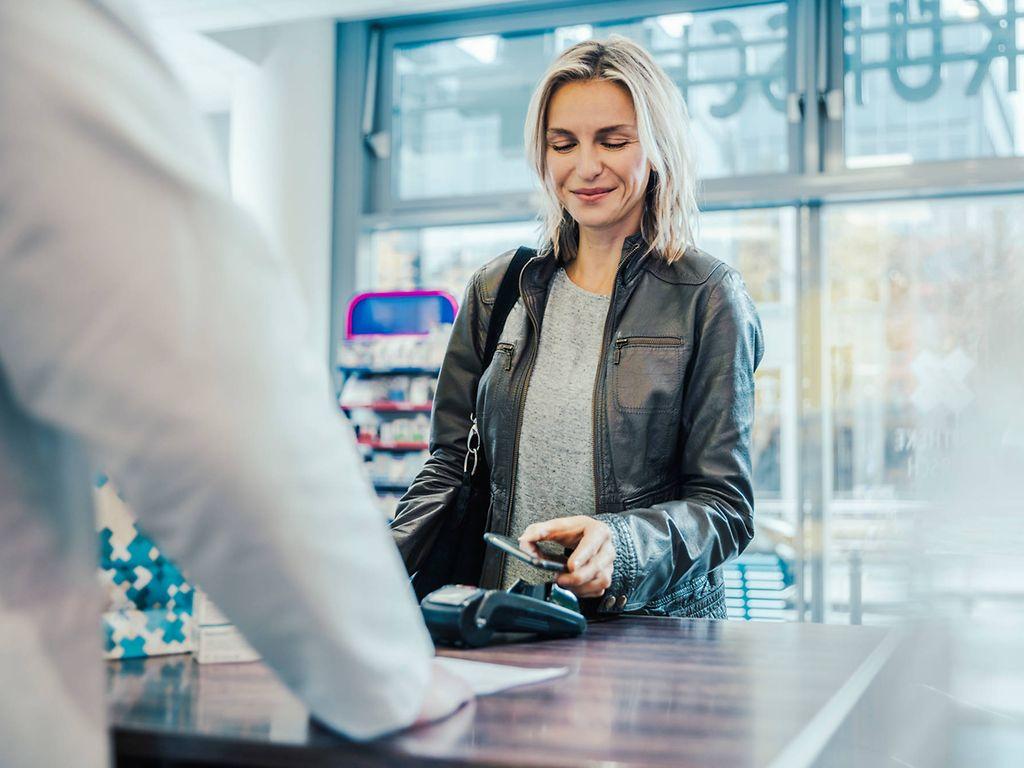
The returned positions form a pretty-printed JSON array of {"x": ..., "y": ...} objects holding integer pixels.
[{"x": 143, "y": 313}]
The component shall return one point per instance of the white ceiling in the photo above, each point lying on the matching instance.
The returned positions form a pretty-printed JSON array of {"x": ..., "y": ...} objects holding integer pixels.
[
  {"x": 207, "y": 68},
  {"x": 212, "y": 15}
]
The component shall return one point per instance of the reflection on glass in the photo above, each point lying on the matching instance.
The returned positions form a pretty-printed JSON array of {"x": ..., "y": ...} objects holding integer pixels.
[
  {"x": 459, "y": 105},
  {"x": 909, "y": 290},
  {"x": 929, "y": 80}
]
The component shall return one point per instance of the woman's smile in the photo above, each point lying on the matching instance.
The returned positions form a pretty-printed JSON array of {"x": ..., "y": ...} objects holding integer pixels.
[{"x": 593, "y": 195}]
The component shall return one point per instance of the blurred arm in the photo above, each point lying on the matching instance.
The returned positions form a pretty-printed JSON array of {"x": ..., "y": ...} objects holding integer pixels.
[{"x": 142, "y": 313}]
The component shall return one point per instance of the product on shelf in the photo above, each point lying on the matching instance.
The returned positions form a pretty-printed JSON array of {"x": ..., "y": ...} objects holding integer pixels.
[
  {"x": 389, "y": 361},
  {"x": 378, "y": 390},
  {"x": 390, "y": 427},
  {"x": 393, "y": 469},
  {"x": 424, "y": 351}
]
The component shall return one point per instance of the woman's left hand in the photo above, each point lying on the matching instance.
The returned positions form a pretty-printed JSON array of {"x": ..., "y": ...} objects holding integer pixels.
[{"x": 590, "y": 565}]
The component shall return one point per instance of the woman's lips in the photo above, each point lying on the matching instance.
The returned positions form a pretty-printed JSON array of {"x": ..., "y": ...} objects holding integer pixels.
[{"x": 594, "y": 195}]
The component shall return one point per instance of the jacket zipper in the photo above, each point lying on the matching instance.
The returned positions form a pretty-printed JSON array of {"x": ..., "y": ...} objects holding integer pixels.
[
  {"x": 522, "y": 408},
  {"x": 644, "y": 341},
  {"x": 598, "y": 377}
]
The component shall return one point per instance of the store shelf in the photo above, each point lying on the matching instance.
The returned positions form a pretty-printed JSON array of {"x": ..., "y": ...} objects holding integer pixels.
[
  {"x": 379, "y": 445},
  {"x": 387, "y": 385},
  {"x": 365, "y": 371},
  {"x": 759, "y": 586},
  {"x": 390, "y": 407},
  {"x": 390, "y": 486}
]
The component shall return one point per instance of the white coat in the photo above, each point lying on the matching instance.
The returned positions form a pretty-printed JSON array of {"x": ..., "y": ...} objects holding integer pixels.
[{"x": 146, "y": 329}]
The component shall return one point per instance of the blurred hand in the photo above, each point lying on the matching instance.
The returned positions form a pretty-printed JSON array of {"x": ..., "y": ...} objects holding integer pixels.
[
  {"x": 590, "y": 565},
  {"x": 445, "y": 695}
]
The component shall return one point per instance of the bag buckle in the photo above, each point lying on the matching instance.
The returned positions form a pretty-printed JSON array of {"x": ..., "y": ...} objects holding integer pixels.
[{"x": 472, "y": 447}]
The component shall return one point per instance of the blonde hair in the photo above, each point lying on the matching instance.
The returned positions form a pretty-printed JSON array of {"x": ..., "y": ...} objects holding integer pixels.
[{"x": 670, "y": 201}]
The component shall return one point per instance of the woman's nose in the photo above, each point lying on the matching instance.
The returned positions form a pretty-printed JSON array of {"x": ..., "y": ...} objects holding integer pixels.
[{"x": 588, "y": 164}]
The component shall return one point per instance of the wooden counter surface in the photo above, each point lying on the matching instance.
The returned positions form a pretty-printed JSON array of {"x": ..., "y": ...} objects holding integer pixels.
[{"x": 641, "y": 691}]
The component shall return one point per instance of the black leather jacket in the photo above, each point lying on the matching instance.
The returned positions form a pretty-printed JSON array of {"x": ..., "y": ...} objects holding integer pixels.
[{"x": 673, "y": 408}]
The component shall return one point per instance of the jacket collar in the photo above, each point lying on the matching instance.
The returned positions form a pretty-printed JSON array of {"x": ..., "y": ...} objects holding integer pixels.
[
  {"x": 539, "y": 271},
  {"x": 634, "y": 256}
]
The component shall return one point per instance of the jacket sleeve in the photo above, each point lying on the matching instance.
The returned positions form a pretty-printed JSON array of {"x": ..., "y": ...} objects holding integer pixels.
[
  {"x": 419, "y": 513},
  {"x": 142, "y": 314},
  {"x": 663, "y": 549}
]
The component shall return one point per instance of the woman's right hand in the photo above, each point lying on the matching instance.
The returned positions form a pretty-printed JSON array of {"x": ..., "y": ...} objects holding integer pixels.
[{"x": 592, "y": 562}]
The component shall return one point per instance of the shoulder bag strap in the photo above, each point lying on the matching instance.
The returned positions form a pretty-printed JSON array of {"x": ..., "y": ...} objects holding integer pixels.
[{"x": 508, "y": 293}]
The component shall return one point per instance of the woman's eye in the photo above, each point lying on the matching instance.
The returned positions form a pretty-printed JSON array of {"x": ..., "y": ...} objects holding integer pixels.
[
  {"x": 562, "y": 147},
  {"x": 614, "y": 144}
]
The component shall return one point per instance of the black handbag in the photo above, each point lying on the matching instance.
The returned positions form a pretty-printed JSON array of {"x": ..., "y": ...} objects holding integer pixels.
[{"x": 457, "y": 555}]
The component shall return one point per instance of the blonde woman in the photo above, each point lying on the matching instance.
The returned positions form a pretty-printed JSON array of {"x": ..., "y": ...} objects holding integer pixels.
[{"x": 615, "y": 417}]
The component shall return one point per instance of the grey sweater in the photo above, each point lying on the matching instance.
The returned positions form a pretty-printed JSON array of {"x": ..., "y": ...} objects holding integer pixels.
[{"x": 555, "y": 469}]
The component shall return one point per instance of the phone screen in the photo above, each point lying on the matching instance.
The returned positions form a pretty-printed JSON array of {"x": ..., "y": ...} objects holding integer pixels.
[{"x": 511, "y": 547}]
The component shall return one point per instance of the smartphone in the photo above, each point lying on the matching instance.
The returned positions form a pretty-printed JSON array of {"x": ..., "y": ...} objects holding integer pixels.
[{"x": 510, "y": 546}]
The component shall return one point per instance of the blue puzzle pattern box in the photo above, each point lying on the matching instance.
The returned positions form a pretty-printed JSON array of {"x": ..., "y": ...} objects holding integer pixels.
[{"x": 149, "y": 601}]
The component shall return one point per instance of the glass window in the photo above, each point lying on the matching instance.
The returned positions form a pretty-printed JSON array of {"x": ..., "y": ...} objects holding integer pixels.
[
  {"x": 459, "y": 105},
  {"x": 437, "y": 258},
  {"x": 907, "y": 286},
  {"x": 762, "y": 245},
  {"x": 458, "y": 114},
  {"x": 908, "y": 306},
  {"x": 731, "y": 68},
  {"x": 933, "y": 80}
]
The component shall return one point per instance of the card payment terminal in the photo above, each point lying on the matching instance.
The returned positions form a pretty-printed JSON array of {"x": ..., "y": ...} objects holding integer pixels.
[{"x": 470, "y": 616}]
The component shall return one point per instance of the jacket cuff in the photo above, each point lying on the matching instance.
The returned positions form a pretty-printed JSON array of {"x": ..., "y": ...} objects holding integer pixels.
[{"x": 624, "y": 571}]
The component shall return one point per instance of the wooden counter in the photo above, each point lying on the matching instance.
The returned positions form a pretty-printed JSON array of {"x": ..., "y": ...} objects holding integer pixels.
[{"x": 642, "y": 691}]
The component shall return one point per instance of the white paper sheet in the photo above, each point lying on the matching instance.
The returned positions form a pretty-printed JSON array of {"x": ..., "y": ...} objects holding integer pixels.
[{"x": 485, "y": 678}]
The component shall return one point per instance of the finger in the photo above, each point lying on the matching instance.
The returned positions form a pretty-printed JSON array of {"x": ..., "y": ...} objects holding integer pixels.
[
  {"x": 530, "y": 547},
  {"x": 534, "y": 532},
  {"x": 601, "y": 564},
  {"x": 606, "y": 555},
  {"x": 565, "y": 530},
  {"x": 593, "y": 540},
  {"x": 597, "y": 568},
  {"x": 591, "y": 588},
  {"x": 578, "y": 578}
]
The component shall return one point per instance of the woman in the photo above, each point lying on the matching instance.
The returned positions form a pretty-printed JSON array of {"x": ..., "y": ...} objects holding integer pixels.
[{"x": 616, "y": 415}]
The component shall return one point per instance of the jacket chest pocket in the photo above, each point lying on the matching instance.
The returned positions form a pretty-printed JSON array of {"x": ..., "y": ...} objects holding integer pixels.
[{"x": 647, "y": 373}]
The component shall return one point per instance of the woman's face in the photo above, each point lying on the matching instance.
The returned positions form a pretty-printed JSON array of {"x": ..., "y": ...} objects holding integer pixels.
[{"x": 594, "y": 159}]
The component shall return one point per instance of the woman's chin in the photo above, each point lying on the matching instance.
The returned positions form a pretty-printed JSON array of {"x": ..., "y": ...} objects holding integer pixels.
[{"x": 593, "y": 219}]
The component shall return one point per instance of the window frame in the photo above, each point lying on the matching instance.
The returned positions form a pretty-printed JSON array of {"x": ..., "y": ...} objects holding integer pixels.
[
  {"x": 384, "y": 204},
  {"x": 817, "y": 165}
]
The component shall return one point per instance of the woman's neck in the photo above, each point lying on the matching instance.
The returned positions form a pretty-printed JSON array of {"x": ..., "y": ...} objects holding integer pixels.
[{"x": 597, "y": 260}]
